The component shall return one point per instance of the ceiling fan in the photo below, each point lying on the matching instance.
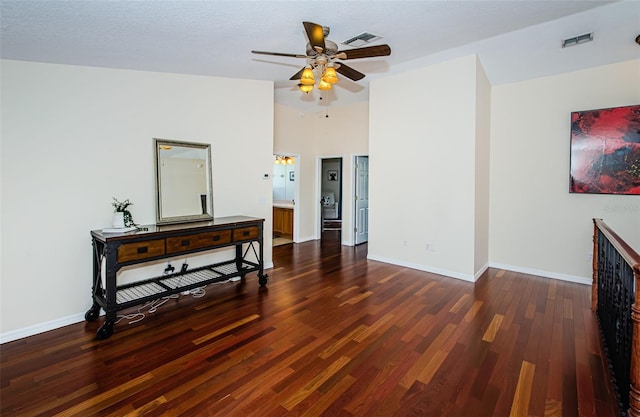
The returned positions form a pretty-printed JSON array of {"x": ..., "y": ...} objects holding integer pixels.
[{"x": 322, "y": 57}]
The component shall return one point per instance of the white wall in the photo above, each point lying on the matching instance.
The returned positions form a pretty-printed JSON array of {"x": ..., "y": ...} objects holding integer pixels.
[
  {"x": 435, "y": 122},
  {"x": 73, "y": 137},
  {"x": 313, "y": 136},
  {"x": 537, "y": 226},
  {"x": 422, "y": 168}
]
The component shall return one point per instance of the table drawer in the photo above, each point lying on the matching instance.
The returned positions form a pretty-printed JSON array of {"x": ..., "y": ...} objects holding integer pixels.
[
  {"x": 198, "y": 241},
  {"x": 140, "y": 250},
  {"x": 245, "y": 233}
]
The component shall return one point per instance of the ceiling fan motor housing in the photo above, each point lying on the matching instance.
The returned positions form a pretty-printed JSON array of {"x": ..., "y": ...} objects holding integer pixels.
[{"x": 330, "y": 48}]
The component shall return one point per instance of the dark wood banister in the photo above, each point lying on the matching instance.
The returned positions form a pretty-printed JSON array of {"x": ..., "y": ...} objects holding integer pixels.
[{"x": 633, "y": 259}]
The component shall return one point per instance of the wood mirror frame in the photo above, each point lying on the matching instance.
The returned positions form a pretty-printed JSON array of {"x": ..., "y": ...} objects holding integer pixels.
[{"x": 183, "y": 181}]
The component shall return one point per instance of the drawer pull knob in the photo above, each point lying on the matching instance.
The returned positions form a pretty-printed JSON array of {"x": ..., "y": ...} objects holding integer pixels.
[
  {"x": 245, "y": 233},
  {"x": 216, "y": 238},
  {"x": 143, "y": 249},
  {"x": 185, "y": 242}
]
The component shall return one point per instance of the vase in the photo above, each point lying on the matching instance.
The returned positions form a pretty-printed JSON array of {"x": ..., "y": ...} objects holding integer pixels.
[{"x": 118, "y": 220}]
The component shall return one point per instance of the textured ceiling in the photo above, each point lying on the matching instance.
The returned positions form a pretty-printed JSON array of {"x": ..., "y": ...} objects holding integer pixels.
[{"x": 515, "y": 40}]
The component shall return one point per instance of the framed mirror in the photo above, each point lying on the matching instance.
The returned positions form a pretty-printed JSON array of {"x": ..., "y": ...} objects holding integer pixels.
[{"x": 183, "y": 181}]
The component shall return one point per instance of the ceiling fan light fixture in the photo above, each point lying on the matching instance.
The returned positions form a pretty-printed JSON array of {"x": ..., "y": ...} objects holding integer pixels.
[
  {"x": 307, "y": 77},
  {"x": 322, "y": 53},
  {"x": 323, "y": 85},
  {"x": 330, "y": 75}
]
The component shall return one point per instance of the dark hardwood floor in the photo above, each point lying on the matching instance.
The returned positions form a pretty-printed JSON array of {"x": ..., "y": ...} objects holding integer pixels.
[{"x": 333, "y": 334}]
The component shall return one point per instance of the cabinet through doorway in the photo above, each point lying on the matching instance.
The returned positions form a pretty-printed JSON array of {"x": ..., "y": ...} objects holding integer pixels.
[{"x": 283, "y": 222}]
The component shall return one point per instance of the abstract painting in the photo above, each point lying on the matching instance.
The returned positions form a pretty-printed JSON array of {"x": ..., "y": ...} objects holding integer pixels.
[{"x": 605, "y": 151}]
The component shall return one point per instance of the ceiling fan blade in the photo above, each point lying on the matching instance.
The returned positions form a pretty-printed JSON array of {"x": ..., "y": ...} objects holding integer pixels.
[
  {"x": 297, "y": 75},
  {"x": 315, "y": 33},
  {"x": 365, "y": 52},
  {"x": 349, "y": 72},
  {"x": 278, "y": 54}
]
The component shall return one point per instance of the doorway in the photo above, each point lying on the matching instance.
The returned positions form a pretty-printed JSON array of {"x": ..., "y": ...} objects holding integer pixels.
[
  {"x": 331, "y": 175},
  {"x": 285, "y": 193}
]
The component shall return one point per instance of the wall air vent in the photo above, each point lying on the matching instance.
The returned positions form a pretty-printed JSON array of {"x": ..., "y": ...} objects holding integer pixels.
[
  {"x": 576, "y": 40},
  {"x": 361, "y": 39}
]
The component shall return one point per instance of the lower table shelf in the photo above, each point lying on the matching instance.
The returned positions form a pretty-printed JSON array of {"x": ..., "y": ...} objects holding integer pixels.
[{"x": 165, "y": 285}]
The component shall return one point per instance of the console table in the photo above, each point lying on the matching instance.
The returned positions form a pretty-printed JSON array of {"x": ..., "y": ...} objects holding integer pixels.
[{"x": 153, "y": 242}]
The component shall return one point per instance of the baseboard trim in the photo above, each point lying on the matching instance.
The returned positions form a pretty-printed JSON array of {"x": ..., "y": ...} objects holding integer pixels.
[
  {"x": 478, "y": 274},
  {"x": 420, "y": 267},
  {"x": 12, "y": 335},
  {"x": 542, "y": 273}
]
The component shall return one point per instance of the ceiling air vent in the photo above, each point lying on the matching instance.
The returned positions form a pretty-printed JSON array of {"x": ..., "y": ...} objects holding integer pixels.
[
  {"x": 361, "y": 39},
  {"x": 576, "y": 40}
]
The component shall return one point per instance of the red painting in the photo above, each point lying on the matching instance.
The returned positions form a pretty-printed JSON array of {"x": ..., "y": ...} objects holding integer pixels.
[{"x": 605, "y": 151}]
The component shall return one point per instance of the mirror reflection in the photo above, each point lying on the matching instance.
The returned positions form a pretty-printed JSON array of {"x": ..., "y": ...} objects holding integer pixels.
[
  {"x": 183, "y": 181},
  {"x": 283, "y": 178}
]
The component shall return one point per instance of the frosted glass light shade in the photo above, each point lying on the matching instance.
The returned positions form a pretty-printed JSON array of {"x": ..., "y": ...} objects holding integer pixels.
[
  {"x": 324, "y": 85},
  {"x": 330, "y": 75},
  {"x": 307, "y": 77}
]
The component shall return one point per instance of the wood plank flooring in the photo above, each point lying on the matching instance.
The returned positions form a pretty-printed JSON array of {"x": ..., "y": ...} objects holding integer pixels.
[{"x": 333, "y": 334}]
